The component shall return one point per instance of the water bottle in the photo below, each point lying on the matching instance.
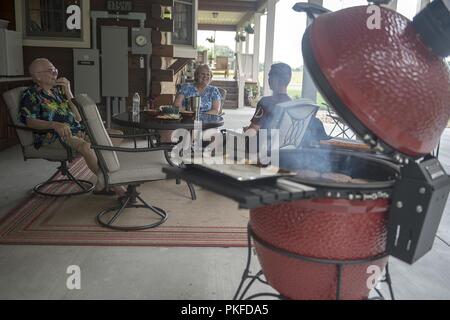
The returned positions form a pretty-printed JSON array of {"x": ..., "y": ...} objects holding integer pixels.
[{"x": 136, "y": 105}]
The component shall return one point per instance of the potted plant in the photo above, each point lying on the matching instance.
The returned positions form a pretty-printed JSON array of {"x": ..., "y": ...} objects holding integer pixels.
[{"x": 249, "y": 29}]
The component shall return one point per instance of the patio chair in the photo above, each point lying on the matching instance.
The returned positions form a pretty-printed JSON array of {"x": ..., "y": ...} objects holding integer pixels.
[
  {"x": 122, "y": 166},
  {"x": 221, "y": 66},
  {"x": 68, "y": 184},
  {"x": 223, "y": 95},
  {"x": 291, "y": 120}
]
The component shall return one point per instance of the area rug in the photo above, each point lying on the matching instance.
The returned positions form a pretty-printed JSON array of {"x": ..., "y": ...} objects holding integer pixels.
[{"x": 209, "y": 221}]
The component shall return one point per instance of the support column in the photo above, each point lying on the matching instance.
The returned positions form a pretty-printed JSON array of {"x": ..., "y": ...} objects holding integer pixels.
[
  {"x": 236, "y": 50},
  {"x": 270, "y": 39},
  {"x": 309, "y": 90},
  {"x": 241, "y": 47},
  {"x": 247, "y": 43},
  {"x": 256, "y": 44}
]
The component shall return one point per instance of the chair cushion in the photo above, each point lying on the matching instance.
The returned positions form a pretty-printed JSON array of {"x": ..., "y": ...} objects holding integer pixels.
[
  {"x": 12, "y": 100},
  {"x": 52, "y": 154},
  {"x": 97, "y": 131},
  {"x": 139, "y": 166}
]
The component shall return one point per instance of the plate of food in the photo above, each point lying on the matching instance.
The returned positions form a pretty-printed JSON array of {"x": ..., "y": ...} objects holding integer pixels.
[{"x": 170, "y": 117}]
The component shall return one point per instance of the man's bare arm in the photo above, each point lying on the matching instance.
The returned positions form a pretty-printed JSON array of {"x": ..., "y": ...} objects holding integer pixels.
[{"x": 62, "y": 129}]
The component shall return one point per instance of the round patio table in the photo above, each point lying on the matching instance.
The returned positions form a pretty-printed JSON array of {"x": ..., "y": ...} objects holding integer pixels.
[{"x": 145, "y": 122}]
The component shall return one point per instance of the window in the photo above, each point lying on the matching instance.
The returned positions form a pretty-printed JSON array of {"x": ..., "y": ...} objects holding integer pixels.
[
  {"x": 47, "y": 18},
  {"x": 54, "y": 23},
  {"x": 184, "y": 22}
]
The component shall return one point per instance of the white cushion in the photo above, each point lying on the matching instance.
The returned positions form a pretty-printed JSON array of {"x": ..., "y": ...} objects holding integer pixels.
[
  {"x": 100, "y": 136},
  {"x": 139, "y": 166},
  {"x": 12, "y": 99}
]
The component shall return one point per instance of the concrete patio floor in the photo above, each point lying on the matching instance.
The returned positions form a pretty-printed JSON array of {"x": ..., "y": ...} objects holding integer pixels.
[{"x": 39, "y": 272}]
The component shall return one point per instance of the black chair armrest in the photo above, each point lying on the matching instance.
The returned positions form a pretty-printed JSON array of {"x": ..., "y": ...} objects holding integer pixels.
[
  {"x": 132, "y": 136},
  {"x": 122, "y": 149}
]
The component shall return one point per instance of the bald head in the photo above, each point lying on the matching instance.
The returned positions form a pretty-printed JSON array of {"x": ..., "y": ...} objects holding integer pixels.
[
  {"x": 43, "y": 72},
  {"x": 37, "y": 65}
]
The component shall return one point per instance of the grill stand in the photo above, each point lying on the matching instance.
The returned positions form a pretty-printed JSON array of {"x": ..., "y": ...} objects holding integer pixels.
[{"x": 339, "y": 266}]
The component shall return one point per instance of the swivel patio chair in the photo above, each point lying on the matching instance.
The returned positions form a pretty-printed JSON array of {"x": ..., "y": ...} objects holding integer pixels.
[
  {"x": 122, "y": 166},
  {"x": 67, "y": 184},
  {"x": 223, "y": 96},
  {"x": 290, "y": 120}
]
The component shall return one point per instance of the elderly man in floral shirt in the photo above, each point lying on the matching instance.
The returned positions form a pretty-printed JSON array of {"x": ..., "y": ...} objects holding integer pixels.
[{"x": 46, "y": 105}]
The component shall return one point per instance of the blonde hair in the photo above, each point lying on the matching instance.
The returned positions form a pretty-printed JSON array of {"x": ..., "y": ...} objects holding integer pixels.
[{"x": 199, "y": 69}]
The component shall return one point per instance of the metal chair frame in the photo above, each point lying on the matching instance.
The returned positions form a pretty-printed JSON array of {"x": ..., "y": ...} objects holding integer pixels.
[
  {"x": 131, "y": 197},
  {"x": 340, "y": 126}
]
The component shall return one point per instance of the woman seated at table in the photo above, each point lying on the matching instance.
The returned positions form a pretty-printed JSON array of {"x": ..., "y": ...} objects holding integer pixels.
[{"x": 210, "y": 99}]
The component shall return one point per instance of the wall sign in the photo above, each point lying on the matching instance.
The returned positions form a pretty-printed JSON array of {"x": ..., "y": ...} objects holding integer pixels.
[{"x": 119, "y": 6}]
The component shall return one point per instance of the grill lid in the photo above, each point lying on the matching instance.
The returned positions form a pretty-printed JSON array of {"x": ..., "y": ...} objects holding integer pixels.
[{"x": 389, "y": 84}]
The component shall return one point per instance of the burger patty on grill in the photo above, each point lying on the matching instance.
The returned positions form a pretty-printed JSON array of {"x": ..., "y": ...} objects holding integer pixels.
[
  {"x": 336, "y": 177},
  {"x": 329, "y": 176},
  {"x": 308, "y": 174}
]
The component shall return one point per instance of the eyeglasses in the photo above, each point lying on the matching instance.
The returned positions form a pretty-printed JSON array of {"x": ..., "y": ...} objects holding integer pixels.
[
  {"x": 51, "y": 70},
  {"x": 206, "y": 75}
]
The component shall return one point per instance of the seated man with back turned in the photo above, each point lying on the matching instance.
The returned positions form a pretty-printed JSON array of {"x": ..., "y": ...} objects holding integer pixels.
[
  {"x": 46, "y": 105},
  {"x": 279, "y": 77}
]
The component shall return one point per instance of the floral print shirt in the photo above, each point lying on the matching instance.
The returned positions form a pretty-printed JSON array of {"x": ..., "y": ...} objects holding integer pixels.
[
  {"x": 38, "y": 104},
  {"x": 207, "y": 97}
]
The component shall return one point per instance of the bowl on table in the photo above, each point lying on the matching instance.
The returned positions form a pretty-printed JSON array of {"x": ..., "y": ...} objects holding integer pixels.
[{"x": 169, "y": 109}]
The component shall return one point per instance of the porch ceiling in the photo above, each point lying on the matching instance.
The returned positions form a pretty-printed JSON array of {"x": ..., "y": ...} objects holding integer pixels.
[
  {"x": 230, "y": 13},
  {"x": 230, "y": 5},
  {"x": 223, "y": 18}
]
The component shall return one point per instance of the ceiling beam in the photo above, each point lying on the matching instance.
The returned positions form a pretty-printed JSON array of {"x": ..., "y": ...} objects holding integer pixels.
[
  {"x": 216, "y": 27},
  {"x": 245, "y": 19},
  {"x": 227, "y": 5}
]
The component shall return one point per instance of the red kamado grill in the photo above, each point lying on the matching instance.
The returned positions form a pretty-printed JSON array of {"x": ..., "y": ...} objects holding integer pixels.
[{"x": 318, "y": 238}]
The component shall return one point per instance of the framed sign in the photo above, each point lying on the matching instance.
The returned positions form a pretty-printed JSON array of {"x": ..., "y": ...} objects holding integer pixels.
[
  {"x": 122, "y": 6},
  {"x": 54, "y": 23}
]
